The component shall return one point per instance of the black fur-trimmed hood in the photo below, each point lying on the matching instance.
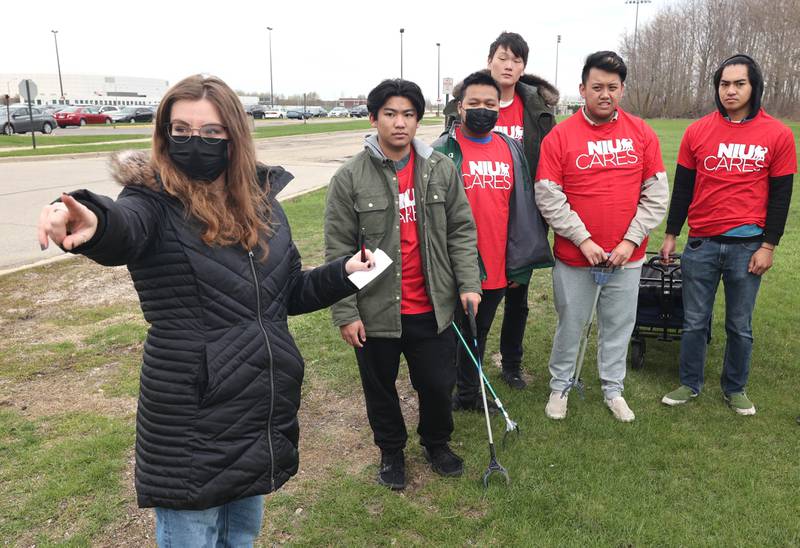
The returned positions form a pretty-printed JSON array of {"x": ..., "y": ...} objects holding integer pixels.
[{"x": 134, "y": 168}]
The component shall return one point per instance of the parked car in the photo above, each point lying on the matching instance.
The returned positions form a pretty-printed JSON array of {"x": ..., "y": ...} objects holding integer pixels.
[
  {"x": 108, "y": 108},
  {"x": 256, "y": 111},
  {"x": 80, "y": 116},
  {"x": 318, "y": 112},
  {"x": 275, "y": 112},
  {"x": 20, "y": 121},
  {"x": 339, "y": 112},
  {"x": 298, "y": 114},
  {"x": 359, "y": 111},
  {"x": 52, "y": 109},
  {"x": 132, "y": 114}
]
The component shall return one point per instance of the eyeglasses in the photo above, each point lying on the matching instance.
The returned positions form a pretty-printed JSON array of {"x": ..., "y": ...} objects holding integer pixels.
[{"x": 211, "y": 134}]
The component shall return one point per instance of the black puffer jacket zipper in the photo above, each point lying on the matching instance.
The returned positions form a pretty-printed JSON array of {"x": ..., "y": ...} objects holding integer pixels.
[{"x": 271, "y": 379}]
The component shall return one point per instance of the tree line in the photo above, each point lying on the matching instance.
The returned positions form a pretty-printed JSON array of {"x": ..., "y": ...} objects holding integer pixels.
[{"x": 671, "y": 69}]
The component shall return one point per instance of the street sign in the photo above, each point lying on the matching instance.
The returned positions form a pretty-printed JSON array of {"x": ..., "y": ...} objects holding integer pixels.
[
  {"x": 447, "y": 86},
  {"x": 28, "y": 90}
]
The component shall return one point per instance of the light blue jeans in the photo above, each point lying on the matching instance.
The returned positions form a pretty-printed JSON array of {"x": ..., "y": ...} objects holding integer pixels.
[
  {"x": 235, "y": 524},
  {"x": 573, "y": 294},
  {"x": 703, "y": 263}
]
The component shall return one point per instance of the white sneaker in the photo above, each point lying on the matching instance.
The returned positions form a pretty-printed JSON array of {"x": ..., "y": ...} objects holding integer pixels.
[
  {"x": 619, "y": 407},
  {"x": 556, "y": 407}
]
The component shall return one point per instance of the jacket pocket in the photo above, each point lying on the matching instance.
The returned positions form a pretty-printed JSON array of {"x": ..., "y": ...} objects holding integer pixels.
[
  {"x": 435, "y": 215},
  {"x": 372, "y": 218}
]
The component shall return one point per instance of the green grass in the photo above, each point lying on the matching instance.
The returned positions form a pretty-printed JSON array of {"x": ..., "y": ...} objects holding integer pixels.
[
  {"x": 74, "y": 149},
  {"x": 690, "y": 476},
  {"x": 61, "y": 477},
  {"x": 7, "y": 141}
]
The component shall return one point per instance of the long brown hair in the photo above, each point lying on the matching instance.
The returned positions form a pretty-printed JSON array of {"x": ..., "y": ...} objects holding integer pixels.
[{"x": 246, "y": 210}]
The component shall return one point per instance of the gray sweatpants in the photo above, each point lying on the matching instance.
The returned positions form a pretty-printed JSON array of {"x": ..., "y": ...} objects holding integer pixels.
[{"x": 573, "y": 294}]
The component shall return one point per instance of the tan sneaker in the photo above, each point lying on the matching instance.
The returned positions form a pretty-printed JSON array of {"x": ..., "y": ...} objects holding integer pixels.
[
  {"x": 556, "y": 407},
  {"x": 619, "y": 407}
]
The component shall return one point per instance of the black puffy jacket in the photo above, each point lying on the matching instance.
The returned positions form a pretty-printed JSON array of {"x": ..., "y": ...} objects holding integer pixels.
[{"x": 221, "y": 374}]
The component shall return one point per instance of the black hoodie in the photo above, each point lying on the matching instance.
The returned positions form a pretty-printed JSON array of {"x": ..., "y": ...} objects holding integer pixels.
[
  {"x": 753, "y": 74},
  {"x": 780, "y": 188}
]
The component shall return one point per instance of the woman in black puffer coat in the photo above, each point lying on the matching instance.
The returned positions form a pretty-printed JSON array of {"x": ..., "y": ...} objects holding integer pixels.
[{"x": 211, "y": 256}]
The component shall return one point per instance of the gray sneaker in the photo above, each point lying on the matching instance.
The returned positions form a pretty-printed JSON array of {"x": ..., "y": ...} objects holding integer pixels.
[
  {"x": 740, "y": 403},
  {"x": 680, "y": 395}
]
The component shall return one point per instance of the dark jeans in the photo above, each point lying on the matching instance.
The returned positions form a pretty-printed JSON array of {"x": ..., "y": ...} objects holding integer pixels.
[
  {"x": 469, "y": 387},
  {"x": 431, "y": 366},
  {"x": 515, "y": 316},
  {"x": 703, "y": 263}
]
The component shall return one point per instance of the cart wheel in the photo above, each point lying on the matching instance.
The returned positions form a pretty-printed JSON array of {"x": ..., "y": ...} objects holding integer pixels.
[{"x": 637, "y": 353}]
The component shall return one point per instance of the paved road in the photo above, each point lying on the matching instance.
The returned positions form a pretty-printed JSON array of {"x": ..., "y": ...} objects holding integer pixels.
[{"x": 26, "y": 186}]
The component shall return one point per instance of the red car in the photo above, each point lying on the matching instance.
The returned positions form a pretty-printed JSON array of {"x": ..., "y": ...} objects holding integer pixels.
[{"x": 80, "y": 116}]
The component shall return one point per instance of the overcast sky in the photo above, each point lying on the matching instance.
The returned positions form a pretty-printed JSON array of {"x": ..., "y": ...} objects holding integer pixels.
[{"x": 335, "y": 51}]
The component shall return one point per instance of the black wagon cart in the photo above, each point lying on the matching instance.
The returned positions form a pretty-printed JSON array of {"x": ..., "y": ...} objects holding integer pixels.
[{"x": 659, "y": 313}]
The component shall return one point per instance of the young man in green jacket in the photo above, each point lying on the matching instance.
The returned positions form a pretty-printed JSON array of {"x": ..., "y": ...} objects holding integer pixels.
[
  {"x": 512, "y": 236},
  {"x": 406, "y": 199},
  {"x": 525, "y": 115}
]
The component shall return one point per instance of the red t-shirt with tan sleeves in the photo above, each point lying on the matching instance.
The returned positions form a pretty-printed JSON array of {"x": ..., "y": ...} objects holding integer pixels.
[
  {"x": 600, "y": 169},
  {"x": 734, "y": 162},
  {"x": 487, "y": 170},
  {"x": 414, "y": 298}
]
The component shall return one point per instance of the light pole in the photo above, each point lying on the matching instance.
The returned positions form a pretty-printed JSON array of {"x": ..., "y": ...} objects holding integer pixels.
[
  {"x": 401, "y": 52},
  {"x": 636, "y": 23},
  {"x": 438, "y": 74},
  {"x": 558, "y": 41},
  {"x": 58, "y": 63},
  {"x": 271, "y": 96},
  {"x": 634, "y": 63}
]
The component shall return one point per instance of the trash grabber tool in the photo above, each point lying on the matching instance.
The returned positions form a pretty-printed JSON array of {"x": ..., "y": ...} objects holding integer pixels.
[
  {"x": 601, "y": 274},
  {"x": 494, "y": 466},
  {"x": 511, "y": 426}
]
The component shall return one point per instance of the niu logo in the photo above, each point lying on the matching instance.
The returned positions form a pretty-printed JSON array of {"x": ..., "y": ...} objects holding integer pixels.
[
  {"x": 734, "y": 150},
  {"x": 610, "y": 147},
  {"x": 737, "y": 157},
  {"x": 488, "y": 175},
  {"x": 608, "y": 153}
]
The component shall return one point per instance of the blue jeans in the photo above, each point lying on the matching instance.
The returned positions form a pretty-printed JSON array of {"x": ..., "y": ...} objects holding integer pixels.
[
  {"x": 235, "y": 524},
  {"x": 703, "y": 264}
]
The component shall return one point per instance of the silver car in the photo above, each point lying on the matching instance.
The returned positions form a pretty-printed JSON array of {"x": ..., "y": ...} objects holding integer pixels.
[{"x": 20, "y": 120}]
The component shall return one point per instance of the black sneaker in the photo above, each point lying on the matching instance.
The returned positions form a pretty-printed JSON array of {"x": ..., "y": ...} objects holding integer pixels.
[
  {"x": 443, "y": 461},
  {"x": 514, "y": 379},
  {"x": 392, "y": 472},
  {"x": 475, "y": 404}
]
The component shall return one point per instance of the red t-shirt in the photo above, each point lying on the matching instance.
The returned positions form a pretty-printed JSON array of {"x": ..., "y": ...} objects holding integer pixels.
[
  {"x": 734, "y": 163},
  {"x": 414, "y": 298},
  {"x": 601, "y": 170},
  {"x": 488, "y": 174},
  {"x": 510, "y": 120}
]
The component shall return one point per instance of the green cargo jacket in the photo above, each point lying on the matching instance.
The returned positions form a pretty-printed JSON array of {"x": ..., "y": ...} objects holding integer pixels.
[{"x": 363, "y": 194}]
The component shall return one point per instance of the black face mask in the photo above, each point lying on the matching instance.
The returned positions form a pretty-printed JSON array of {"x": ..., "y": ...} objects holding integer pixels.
[
  {"x": 199, "y": 160},
  {"x": 480, "y": 120}
]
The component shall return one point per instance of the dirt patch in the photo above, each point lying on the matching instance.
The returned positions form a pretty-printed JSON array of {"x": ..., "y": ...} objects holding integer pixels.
[
  {"x": 66, "y": 392},
  {"x": 335, "y": 433}
]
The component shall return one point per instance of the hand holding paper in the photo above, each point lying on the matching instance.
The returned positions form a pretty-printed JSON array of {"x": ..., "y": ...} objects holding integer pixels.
[{"x": 380, "y": 262}]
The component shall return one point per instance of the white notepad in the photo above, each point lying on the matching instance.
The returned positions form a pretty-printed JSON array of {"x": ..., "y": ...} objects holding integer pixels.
[{"x": 363, "y": 277}]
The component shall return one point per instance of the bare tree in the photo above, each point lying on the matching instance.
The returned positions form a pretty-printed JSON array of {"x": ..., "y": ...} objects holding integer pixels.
[{"x": 679, "y": 49}]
